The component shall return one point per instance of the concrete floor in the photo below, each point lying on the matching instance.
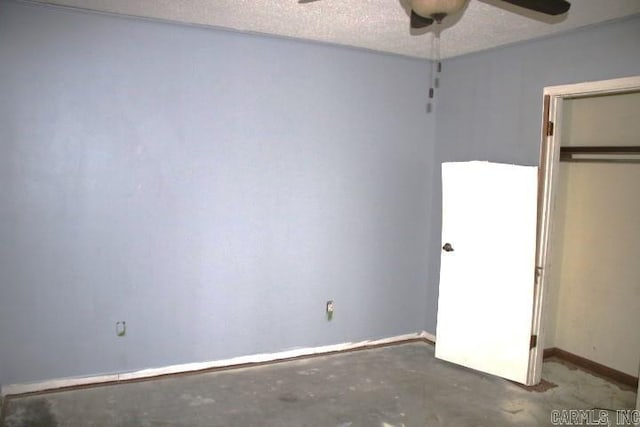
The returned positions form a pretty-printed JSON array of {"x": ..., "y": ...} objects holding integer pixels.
[{"x": 401, "y": 385}]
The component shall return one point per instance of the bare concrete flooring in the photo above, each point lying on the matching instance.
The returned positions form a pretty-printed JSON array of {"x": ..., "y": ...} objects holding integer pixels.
[{"x": 401, "y": 385}]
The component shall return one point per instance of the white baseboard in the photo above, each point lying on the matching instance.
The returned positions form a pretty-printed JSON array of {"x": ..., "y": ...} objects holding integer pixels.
[{"x": 15, "y": 389}]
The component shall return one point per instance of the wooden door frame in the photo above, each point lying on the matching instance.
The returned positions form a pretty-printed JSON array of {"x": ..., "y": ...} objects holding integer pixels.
[{"x": 547, "y": 185}]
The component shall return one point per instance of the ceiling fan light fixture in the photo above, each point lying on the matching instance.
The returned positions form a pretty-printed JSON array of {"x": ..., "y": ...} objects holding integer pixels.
[{"x": 435, "y": 8}]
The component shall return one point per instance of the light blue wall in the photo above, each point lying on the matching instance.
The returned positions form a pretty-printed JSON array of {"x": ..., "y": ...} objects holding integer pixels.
[
  {"x": 210, "y": 188},
  {"x": 490, "y": 103}
]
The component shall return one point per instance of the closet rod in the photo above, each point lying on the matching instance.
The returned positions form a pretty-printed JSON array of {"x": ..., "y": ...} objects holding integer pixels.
[{"x": 592, "y": 154}]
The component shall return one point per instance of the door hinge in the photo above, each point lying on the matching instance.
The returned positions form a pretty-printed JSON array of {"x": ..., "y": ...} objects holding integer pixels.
[
  {"x": 547, "y": 124},
  {"x": 538, "y": 272},
  {"x": 549, "y": 128},
  {"x": 534, "y": 342}
]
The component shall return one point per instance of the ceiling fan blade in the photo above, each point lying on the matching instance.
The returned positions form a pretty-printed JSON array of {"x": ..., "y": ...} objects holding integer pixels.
[
  {"x": 418, "y": 21},
  {"x": 549, "y": 7},
  {"x": 306, "y": 1}
]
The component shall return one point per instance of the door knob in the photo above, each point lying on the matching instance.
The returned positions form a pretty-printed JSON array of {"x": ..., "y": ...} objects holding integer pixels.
[{"x": 447, "y": 247}]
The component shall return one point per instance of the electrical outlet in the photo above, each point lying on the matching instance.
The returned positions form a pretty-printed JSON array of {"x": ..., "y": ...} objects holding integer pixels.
[
  {"x": 121, "y": 328},
  {"x": 330, "y": 309}
]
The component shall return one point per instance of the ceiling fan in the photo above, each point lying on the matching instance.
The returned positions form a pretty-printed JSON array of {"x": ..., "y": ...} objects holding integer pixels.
[{"x": 426, "y": 12}]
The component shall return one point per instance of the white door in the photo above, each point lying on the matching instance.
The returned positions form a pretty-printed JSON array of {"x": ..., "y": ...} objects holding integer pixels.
[{"x": 485, "y": 303}]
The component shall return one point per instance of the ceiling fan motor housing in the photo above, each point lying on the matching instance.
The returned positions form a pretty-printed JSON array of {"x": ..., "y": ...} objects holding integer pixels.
[{"x": 437, "y": 9}]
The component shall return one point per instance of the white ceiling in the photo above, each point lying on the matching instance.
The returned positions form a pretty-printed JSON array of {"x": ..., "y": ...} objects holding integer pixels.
[{"x": 381, "y": 25}]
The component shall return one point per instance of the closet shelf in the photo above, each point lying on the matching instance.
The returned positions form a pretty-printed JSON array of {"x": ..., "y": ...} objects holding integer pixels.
[{"x": 601, "y": 154}]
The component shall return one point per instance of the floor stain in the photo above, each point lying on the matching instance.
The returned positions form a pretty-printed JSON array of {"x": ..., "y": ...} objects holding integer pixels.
[
  {"x": 288, "y": 397},
  {"x": 34, "y": 413}
]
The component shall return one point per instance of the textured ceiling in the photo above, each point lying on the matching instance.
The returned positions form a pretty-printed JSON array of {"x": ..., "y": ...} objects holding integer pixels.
[{"x": 381, "y": 25}]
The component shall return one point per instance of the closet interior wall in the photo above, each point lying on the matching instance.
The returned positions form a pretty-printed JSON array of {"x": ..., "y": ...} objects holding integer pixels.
[{"x": 594, "y": 292}]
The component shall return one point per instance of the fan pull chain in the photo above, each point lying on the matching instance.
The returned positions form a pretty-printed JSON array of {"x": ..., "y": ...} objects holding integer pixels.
[
  {"x": 436, "y": 83},
  {"x": 436, "y": 67}
]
